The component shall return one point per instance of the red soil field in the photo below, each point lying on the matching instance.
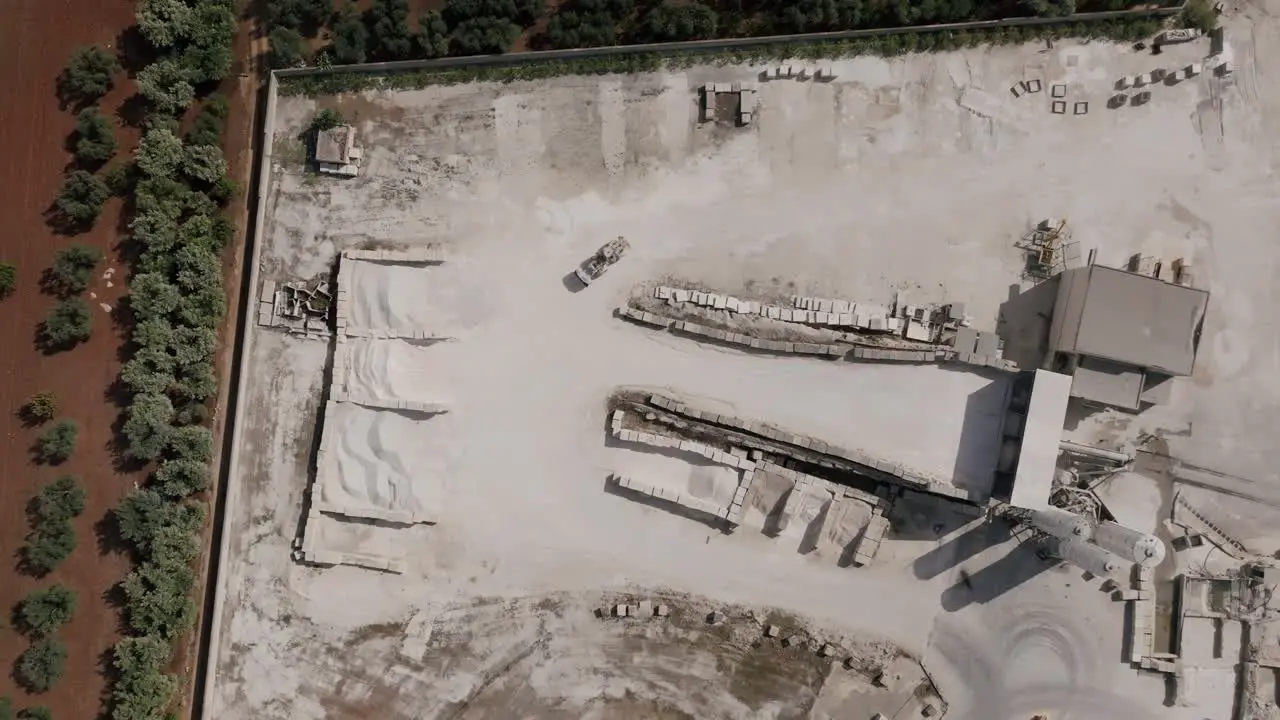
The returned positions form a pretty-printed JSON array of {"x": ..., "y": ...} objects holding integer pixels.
[{"x": 35, "y": 39}]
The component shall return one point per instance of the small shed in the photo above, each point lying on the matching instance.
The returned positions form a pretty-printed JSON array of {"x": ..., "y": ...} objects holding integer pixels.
[{"x": 337, "y": 153}]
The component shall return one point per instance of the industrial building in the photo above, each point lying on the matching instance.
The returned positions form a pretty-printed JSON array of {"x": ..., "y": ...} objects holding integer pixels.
[{"x": 1122, "y": 336}]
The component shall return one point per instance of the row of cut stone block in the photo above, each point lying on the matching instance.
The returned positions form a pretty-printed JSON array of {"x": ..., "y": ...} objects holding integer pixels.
[
  {"x": 642, "y": 609},
  {"x": 671, "y": 496},
  {"x": 778, "y": 346},
  {"x": 414, "y": 254},
  {"x": 849, "y": 315},
  {"x": 882, "y": 354},
  {"x": 391, "y": 403},
  {"x": 666, "y": 441}
]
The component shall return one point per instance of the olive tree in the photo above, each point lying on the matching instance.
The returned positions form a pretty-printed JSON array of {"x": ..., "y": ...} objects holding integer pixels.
[
  {"x": 68, "y": 323},
  {"x": 51, "y": 542},
  {"x": 166, "y": 83},
  {"x": 81, "y": 197},
  {"x": 143, "y": 515},
  {"x": 151, "y": 296},
  {"x": 158, "y": 599},
  {"x": 204, "y": 163},
  {"x": 42, "y": 665},
  {"x": 95, "y": 139},
  {"x": 8, "y": 279},
  {"x": 147, "y": 425},
  {"x": 160, "y": 153},
  {"x": 179, "y": 478},
  {"x": 87, "y": 75},
  {"x": 72, "y": 269},
  {"x": 164, "y": 23},
  {"x": 44, "y": 611},
  {"x": 142, "y": 691},
  {"x": 62, "y": 499},
  {"x": 192, "y": 442},
  {"x": 57, "y": 443},
  {"x": 40, "y": 408},
  {"x": 286, "y": 47}
]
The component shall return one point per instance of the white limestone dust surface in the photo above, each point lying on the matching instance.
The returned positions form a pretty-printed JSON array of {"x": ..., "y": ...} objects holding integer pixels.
[
  {"x": 392, "y": 370},
  {"x": 374, "y": 460}
]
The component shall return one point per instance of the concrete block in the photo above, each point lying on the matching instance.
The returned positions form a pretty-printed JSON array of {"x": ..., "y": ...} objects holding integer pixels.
[
  {"x": 719, "y": 302},
  {"x": 774, "y": 312}
]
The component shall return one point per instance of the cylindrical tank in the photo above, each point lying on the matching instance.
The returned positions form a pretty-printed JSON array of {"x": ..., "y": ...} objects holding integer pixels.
[
  {"x": 1062, "y": 523},
  {"x": 1139, "y": 547},
  {"x": 1087, "y": 556}
]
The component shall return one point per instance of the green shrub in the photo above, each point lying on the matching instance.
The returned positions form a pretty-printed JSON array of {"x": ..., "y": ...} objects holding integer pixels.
[
  {"x": 48, "y": 545},
  {"x": 389, "y": 20},
  {"x": 62, "y": 499},
  {"x": 191, "y": 442},
  {"x": 158, "y": 599},
  {"x": 8, "y": 279},
  {"x": 669, "y": 22},
  {"x": 164, "y": 23},
  {"x": 179, "y": 478},
  {"x": 166, "y": 84},
  {"x": 151, "y": 297},
  {"x": 95, "y": 137},
  {"x": 143, "y": 376},
  {"x": 72, "y": 269},
  {"x": 147, "y": 425},
  {"x": 204, "y": 306},
  {"x": 142, "y": 691},
  {"x": 87, "y": 75},
  {"x": 57, "y": 443},
  {"x": 81, "y": 197},
  {"x": 40, "y": 408},
  {"x": 69, "y": 323},
  {"x": 197, "y": 383},
  {"x": 143, "y": 514},
  {"x": 42, "y": 612},
  {"x": 204, "y": 163},
  {"x": 194, "y": 346},
  {"x": 305, "y": 16},
  {"x": 433, "y": 36},
  {"x": 484, "y": 36},
  {"x": 119, "y": 178},
  {"x": 160, "y": 153},
  {"x": 286, "y": 48},
  {"x": 207, "y": 128},
  {"x": 208, "y": 52},
  {"x": 154, "y": 333},
  {"x": 1199, "y": 14},
  {"x": 350, "y": 36},
  {"x": 42, "y": 665},
  {"x": 6, "y": 708},
  {"x": 37, "y": 712}
]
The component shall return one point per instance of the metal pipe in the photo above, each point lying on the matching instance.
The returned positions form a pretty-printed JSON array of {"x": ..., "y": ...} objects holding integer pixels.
[{"x": 1118, "y": 458}]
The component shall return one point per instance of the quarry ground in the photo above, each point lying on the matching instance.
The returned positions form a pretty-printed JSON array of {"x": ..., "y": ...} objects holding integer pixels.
[{"x": 915, "y": 174}]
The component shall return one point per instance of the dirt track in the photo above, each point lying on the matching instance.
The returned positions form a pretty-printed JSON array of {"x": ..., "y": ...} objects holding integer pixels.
[{"x": 38, "y": 37}]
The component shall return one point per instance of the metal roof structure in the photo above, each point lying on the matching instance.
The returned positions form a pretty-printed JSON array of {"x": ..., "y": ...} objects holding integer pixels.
[
  {"x": 1109, "y": 383},
  {"x": 1038, "y": 454},
  {"x": 1128, "y": 318}
]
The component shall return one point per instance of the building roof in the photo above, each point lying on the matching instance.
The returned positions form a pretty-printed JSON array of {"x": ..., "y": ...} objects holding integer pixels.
[
  {"x": 1041, "y": 434},
  {"x": 334, "y": 145},
  {"x": 1137, "y": 320}
]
